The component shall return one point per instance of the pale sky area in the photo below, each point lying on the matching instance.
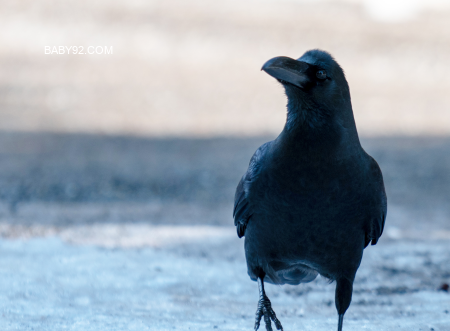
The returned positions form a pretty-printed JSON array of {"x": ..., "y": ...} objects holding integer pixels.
[{"x": 192, "y": 68}]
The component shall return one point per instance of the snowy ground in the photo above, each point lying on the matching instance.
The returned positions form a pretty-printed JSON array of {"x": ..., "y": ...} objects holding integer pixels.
[
  {"x": 139, "y": 277},
  {"x": 121, "y": 233}
]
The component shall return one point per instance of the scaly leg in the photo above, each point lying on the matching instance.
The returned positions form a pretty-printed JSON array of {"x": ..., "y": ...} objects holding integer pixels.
[
  {"x": 341, "y": 320},
  {"x": 344, "y": 289},
  {"x": 265, "y": 309}
]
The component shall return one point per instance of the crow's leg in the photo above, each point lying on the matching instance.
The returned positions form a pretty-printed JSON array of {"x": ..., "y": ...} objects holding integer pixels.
[
  {"x": 344, "y": 289},
  {"x": 265, "y": 309}
]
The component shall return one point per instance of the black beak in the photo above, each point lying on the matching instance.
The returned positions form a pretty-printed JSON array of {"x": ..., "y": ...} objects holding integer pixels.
[{"x": 288, "y": 70}]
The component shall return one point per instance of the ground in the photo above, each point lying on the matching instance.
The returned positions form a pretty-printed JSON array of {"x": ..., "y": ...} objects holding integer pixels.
[
  {"x": 122, "y": 233},
  {"x": 139, "y": 277}
]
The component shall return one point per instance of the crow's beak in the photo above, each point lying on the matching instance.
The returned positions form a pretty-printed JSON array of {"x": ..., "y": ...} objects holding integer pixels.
[{"x": 288, "y": 70}]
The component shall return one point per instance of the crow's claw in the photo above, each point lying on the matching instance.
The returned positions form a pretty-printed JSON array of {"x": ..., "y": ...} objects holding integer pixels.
[{"x": 265, "y": 309}]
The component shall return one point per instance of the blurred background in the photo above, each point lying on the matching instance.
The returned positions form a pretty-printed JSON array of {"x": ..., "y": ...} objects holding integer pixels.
[
  {"x": 161, "y": 129},
  {"x": 118, "y": 170}
]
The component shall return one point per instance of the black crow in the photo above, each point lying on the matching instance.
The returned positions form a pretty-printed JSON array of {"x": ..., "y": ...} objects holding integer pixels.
[{"x": 312, "y": 199}]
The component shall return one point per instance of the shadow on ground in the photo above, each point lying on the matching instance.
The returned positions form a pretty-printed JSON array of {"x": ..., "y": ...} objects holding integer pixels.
[{"x": 46, "y": 178}]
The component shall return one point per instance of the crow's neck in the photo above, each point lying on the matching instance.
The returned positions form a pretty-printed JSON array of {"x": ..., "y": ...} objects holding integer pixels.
[
  {"x": 311, "y": 128},
  {"x": 306, "y": 115}
]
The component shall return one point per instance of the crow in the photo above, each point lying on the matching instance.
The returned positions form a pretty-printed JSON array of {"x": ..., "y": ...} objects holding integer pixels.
[{"x": 312, "y": 199}]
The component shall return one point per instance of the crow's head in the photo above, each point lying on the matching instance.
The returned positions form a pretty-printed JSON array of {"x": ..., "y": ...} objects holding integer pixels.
[{"x": 315, "y": 86}]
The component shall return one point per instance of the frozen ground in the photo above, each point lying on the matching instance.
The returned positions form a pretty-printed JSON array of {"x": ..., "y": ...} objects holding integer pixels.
[
  {"x": 139, "y": 277},
  {"x": 121, "y": 233}
]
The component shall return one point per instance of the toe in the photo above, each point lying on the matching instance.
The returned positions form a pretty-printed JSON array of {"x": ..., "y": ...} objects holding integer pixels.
[
  {"x": 265, "y": 309},
  {"x": 278, "y": 324},
  {"x": 274, "y": 318},
  {"x": 267, "y": 320},
  {"x": 259, "y": 314}
]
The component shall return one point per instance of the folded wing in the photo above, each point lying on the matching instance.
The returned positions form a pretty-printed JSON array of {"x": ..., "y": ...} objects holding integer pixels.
[{"x": 242, "y": 212}]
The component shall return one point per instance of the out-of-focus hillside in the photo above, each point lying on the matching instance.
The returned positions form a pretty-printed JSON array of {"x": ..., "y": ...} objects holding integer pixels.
[{"x": 192, "y": 67}]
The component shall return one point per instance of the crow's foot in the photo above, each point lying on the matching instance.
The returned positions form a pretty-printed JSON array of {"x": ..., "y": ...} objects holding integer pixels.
[{"x": 265, "y": 309}]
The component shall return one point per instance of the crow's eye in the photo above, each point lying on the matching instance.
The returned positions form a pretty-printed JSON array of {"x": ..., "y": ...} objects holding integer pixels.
[{"x": 321, "y": 74}]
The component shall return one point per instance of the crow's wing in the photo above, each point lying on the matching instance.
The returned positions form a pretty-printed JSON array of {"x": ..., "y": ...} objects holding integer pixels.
[
  {"x": 242, "y": 210},
  {"x": 376, "y": 226}
]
